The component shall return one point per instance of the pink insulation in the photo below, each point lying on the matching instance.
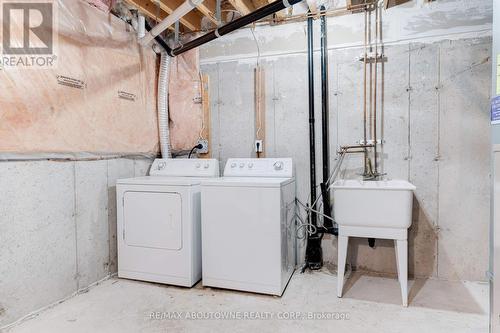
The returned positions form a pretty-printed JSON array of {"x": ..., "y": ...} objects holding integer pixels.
[
  {"x": 185, "y": 108},
  {"x": 104, "y": 5},
  {"x": 38, "y": 115}
]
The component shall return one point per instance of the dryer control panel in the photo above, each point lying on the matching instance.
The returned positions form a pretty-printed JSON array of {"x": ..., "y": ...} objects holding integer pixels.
[
  {"x": 259, "y": 167},
  {"x": 182, "y": 167}
]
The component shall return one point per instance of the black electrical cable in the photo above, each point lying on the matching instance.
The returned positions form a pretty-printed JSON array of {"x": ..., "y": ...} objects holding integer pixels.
[{"x": 198, "y": 146}]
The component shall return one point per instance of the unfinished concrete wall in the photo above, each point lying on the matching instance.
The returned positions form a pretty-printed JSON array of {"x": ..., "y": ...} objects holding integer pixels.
[
  {"x": 434, "y": 120},
  {"x": 58, "y": 218},
  {"x": 57, "y": 229}
]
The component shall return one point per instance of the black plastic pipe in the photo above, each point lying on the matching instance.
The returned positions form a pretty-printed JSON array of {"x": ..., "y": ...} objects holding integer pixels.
[
  {"x": 159, "y": 40},
  {"x": 314, "y": 253},
  {"x": 325, "y": 114},
  {"x": 236, "y": 24},
  {"x": 312, "y": 134}
]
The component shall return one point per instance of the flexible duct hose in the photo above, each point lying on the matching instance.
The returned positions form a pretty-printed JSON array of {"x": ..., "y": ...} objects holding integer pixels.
[{"x": 164, "y": 131}]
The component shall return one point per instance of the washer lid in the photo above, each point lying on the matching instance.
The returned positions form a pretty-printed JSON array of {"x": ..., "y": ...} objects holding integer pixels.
[
  {"x": 159, "y": 180},
  {"x": 246, "y": 182}
]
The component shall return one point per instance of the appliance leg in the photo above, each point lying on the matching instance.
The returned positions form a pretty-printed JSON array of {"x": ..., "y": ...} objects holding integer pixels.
[
  {"x": 343, "y": 241},
  {"x": 402, "y": 261}
]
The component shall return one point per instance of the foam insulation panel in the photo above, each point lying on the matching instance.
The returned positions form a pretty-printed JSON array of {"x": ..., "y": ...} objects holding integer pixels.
[
  {"x": 185, "y": 101},
  {"x": 39, "y": 115}
]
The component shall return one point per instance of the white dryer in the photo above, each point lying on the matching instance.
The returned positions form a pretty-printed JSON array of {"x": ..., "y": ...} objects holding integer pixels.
[
  {"x": 158, "y": 222},
  {"x": 248, "y": 226}
]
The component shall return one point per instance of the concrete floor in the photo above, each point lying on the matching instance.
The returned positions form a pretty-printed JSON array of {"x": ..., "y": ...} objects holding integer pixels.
[{"x": 371, "y": 304}]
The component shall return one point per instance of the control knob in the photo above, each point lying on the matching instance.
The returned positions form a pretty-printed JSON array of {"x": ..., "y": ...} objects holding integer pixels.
[{"x": 278, "y": 165}]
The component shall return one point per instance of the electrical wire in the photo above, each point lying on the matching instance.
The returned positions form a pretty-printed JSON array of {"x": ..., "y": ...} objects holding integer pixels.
[
  {"x": 314, "y": 210},
  {"x": 198, "y": 146},
  {"x": 258, "y": 86},
  {"x": 308, "y": 228},
  {"x": 200, "y": 135},
  {"x": 252, "y": 29}
]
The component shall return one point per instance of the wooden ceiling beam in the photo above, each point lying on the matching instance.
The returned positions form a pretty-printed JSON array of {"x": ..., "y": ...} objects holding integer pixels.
[
  {"x": 208, "y": 8},
  {"x": 192, "y": 20},
  {"x": 281, "y": 13},
  {"x": 242, "y": 6},
  {"x": 148, "y": 8}
]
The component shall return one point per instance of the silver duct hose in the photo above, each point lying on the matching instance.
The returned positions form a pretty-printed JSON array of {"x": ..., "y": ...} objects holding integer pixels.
[{"x": 164, "y": 131}]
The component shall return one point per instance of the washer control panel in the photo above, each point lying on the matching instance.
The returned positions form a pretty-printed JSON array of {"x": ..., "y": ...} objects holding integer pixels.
[
  {"x": 259, "y": 167},
  {"x": 182, "y": 167}
]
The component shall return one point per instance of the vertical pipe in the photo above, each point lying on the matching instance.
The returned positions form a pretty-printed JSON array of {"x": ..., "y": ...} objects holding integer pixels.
[
  {"x": 164, "y": 131},
  {"x": 370, "y": 98},
  {"x": 312, "y": 139},
  {"x": 325, "y": 112},
  {"x": 375, "y": 169},
  {"x": 364, "y": 94},
  {"x": 141, "y": 26},
  {"x": 218, "y": 12},
  {"x": 314, "y": 253}
]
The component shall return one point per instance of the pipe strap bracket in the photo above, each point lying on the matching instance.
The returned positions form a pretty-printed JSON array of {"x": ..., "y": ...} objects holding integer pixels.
[
  {"x": 216, "y": 32},
  {"x": 286, "y": 3}
]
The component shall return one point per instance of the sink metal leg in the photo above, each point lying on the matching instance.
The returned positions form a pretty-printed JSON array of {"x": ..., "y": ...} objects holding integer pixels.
[
  {"x": 397, "y": 258},
  {"x": 343, "y": 241},
  {"x": 401, "y": 247}
]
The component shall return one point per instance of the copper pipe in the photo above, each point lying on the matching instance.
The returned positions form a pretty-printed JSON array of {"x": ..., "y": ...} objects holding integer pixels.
[
  {"x": 377, "y": 19},
  {"x": 364, "y": 90},
  {"x": 345, "y": 148}
]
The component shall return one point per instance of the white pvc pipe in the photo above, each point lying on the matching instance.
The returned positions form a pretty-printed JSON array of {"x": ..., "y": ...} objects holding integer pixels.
[
  {"x": 163, "y": 129},
  {"x": 141, "y": 26},
  {"x": 176, "y": 15}
]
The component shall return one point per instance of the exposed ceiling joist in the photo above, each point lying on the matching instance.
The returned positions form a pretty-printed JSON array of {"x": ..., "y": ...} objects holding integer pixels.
[
  {"x": 281, "y": 13},
  {"x": 242, "y": 6},
  {"x": 262, "y": 3},
  {"x": 159, "y": 10},
  {"x": 148, "y": 8},
  {"x": 207, "y": 8},
  {"x": 191, "y": 20}
]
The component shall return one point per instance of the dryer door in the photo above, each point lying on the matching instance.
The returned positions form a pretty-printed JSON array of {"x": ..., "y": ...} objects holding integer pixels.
[{"x": 153, "y": 220}]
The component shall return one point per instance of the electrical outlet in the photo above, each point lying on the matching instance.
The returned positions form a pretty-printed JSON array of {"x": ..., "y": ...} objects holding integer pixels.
[
  {"x": 259, "y": 146},
  {"x": 204, "y": 149}
]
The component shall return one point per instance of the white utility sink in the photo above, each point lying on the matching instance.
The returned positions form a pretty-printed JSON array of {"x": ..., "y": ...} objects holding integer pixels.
[
  {"x": 384, "y": 203},
  {"x": 374, "y": 209}
]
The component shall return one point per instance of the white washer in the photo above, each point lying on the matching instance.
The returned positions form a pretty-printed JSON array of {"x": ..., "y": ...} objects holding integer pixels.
[
  {"x": 158, "y": 222},
  {"x": 248, "y": 226}
]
